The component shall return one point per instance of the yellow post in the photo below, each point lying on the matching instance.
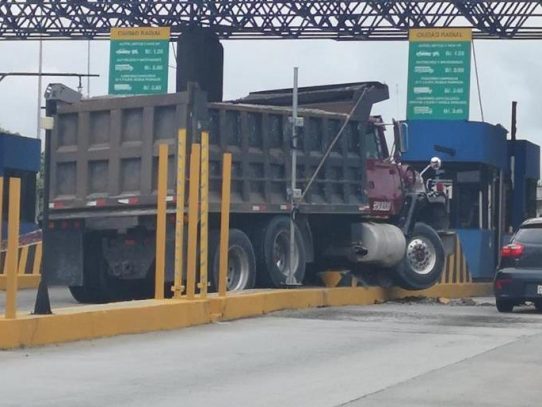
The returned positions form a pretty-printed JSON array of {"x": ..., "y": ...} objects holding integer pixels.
[
  {"x": 13, "y": 247},
  {"x": 1, "y": 212},
  {"x": 161, "y": 222},
  {"x": 179, "y": 214},
  {"x": 37, "y": 259},
  {"x": 204, "y": 214},
  {"x": 224, "y": 225},
  {"x": 23, "y": 259},
  {"x": 192, "y": 221}
]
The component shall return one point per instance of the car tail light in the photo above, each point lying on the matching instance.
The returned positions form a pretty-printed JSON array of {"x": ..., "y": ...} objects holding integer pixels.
[
  {"x": 512, "y": 251},
  {"x": 501, "y": 283}
]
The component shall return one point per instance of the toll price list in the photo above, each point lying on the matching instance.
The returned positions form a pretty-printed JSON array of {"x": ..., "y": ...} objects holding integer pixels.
[{"x": 439, "y": 80}]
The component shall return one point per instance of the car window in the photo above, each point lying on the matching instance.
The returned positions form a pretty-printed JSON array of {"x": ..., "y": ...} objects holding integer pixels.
[{"x": 529, "y": 235}]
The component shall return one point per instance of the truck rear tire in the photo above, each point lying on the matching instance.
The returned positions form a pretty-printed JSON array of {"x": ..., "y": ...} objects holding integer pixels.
[
  {"x": 272, "y": 244},
  {"x": 424, "y": 259},
  {"x": 86, "y": 295},
  {"x": 241, "y": 261}
]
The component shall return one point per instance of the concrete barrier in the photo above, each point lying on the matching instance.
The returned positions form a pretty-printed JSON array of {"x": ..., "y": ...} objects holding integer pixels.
[{"x": 97, "y": 321}]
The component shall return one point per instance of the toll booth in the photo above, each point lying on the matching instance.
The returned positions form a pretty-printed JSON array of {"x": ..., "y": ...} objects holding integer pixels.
[
  {"x": 524, "y": 161},
  {"x": 491, "y": 183},
  {"x": 20, "y": 157}
]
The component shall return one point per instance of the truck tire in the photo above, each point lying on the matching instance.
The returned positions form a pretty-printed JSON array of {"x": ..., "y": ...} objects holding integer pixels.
[
  {"x": 241, "y": 261},
  {"x": 424, "y": 259},
  {"x": 272, "y": 244},
  {"x": 86, "y": 295},
  {"x": 504, "y": 306}
]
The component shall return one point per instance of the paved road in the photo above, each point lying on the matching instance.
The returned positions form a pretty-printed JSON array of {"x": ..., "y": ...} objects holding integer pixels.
[{"x": 383, "y": 355}]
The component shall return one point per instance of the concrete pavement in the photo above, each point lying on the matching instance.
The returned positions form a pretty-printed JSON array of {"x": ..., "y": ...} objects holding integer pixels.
[{"x": 382, "y": 355}]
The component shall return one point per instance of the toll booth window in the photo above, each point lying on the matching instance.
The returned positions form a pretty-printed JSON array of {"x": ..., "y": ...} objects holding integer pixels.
[{"x": 468, "y": 197}]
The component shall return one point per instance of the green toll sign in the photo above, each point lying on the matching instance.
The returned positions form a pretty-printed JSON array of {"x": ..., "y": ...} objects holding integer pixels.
[
  {"x": 439, "y": 74},
  {"x": 139, "y": 59}
]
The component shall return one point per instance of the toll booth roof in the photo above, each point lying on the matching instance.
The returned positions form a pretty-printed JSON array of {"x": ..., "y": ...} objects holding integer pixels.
[
  {"x": 18, "y": 153},
  {"x": 457, "y": 141}
]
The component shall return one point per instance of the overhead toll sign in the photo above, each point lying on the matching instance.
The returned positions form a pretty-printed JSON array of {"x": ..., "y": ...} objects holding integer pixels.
[
  {"x": 139, "y": 60},
  {"x": 439, "y": 74}
]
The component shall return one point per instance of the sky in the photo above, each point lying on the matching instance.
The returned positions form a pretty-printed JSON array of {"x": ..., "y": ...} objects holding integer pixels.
[{"x": 508, "y": 70}]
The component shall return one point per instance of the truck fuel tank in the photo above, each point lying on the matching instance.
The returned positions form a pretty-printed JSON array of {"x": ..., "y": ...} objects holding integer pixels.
[{"x": 379, "y": 244}]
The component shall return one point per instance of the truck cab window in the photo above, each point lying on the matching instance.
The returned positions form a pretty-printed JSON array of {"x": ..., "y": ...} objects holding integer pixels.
[{"x": 372, "y": 143}]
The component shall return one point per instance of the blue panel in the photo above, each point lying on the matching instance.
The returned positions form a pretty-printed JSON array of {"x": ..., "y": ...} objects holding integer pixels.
[
  {"x": 473, "y": 142},
  {"x": 19, "y": 153},
  {"x": 527, "y": 158},
  {"x": 478, "y": 247}
]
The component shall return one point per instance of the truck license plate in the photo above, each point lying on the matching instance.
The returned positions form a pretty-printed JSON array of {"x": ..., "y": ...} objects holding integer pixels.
[{"x": 539, "y": 290}]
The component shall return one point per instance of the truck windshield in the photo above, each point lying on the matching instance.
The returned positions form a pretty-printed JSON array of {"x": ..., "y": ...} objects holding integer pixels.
[{"x": 372, "y": 143}]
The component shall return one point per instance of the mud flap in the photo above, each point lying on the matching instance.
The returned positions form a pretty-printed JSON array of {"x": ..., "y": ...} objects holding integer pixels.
[
  {"x": 448, "y": 239},
  {"x": 63, "y": 258}
]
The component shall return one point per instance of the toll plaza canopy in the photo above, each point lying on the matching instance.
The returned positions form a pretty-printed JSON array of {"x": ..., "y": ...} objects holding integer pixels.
[{"x": 279, "y": 19}]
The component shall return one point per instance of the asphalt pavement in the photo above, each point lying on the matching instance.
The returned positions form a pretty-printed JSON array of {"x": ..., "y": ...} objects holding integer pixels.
[{"x": 394, "y": 354}]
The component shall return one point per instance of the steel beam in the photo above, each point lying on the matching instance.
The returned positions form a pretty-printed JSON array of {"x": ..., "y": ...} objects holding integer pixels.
[{"x": 279, "y": 19}]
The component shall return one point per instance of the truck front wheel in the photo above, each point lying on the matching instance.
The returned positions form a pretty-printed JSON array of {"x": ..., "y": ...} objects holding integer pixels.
[
  {"x": 424, "y": 259},
  {"x": 272, "y": 245}
]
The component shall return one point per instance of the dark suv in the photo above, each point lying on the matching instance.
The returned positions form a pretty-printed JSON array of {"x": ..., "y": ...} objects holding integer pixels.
[{"x": 519, "y": 275}]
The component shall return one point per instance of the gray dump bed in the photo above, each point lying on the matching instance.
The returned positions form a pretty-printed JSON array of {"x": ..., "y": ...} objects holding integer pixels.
[{"x": 104, "y": 153}]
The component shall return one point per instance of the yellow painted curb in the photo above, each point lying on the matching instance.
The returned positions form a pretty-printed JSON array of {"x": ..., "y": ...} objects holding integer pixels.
[
  {"x": 23, "y": 281},
  {"x": 71, "y": 324}
]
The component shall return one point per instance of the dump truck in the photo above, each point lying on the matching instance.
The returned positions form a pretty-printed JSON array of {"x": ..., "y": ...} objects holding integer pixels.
[{"x": 359, "y": 209}]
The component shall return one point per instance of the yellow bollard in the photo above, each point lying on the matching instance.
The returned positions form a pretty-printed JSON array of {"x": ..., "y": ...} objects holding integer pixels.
[
  {"x": 23, "y": 258},
  {"x": 161, "y": 207},
  {"x": 204, "y": 214},
  {"x": 192, "y": 221},
  {"x": 224, "y": 225},
  {"x": 179, "y": 214},
  {"x": 13, "y": 247},
  {"x": 1, "y": 212},
  {"x": 37, "y": 259}
]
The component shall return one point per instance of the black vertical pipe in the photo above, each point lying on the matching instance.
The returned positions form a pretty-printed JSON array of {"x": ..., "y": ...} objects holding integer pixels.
[
  {"x": 43, "y": 303},
  {"x": 200, "y": 59},
  {"x": 514, "y": 120}
]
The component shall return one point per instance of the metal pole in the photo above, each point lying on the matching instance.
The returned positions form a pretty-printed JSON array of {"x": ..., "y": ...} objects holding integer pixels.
[
  {"x": 40, "y": 84},
  {"x": 88, "y": 69},
  {"x": 43, "y": 303},
  {"x": 291, "y": 272}
]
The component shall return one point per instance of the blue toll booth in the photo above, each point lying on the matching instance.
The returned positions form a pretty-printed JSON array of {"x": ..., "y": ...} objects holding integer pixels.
[
  {"x": 20, "y": 157},
  {"x": 491, "y": 182}
]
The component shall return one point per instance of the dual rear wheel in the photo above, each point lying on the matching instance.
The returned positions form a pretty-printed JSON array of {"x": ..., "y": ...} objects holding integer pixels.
[{"x": 263, "y": 260}]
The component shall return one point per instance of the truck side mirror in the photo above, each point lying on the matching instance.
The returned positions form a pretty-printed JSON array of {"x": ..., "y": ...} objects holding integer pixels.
[{"x": 400, "y": 136}]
